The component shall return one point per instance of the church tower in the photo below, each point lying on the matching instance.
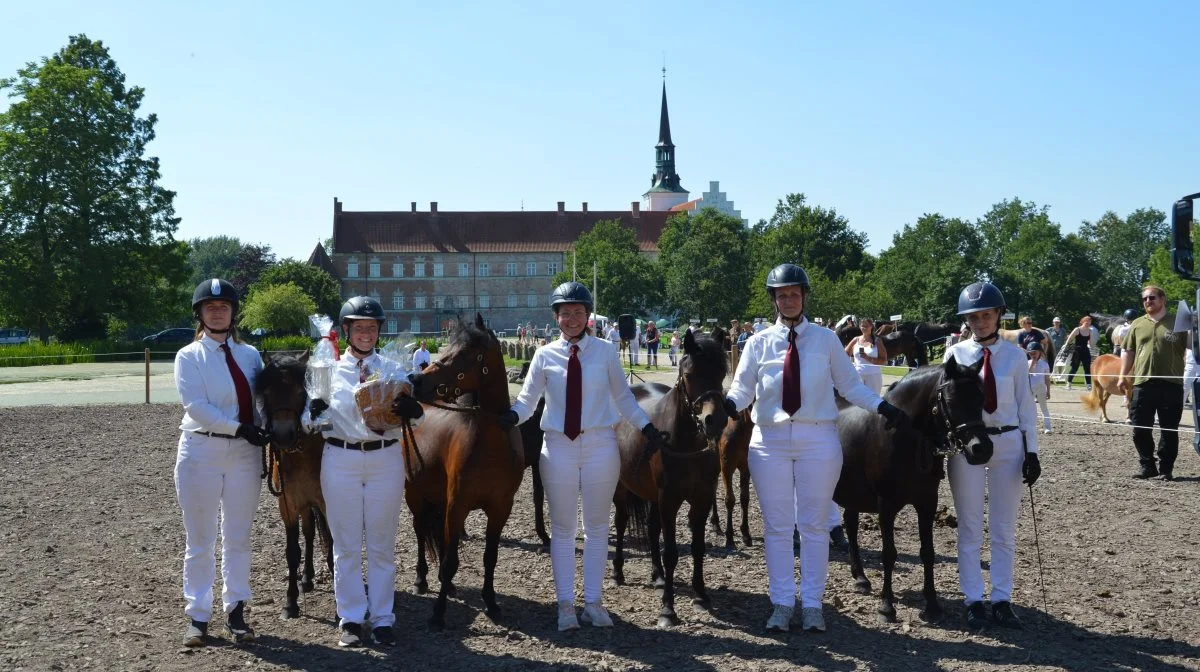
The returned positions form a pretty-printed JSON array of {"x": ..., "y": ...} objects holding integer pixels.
[{"x": 665, "y": 190}]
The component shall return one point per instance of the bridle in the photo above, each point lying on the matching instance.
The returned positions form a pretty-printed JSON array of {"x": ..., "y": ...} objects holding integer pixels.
[
  {"x": 271, "y": 453},
  {"x": 443, "y": 392},
  {"x": 951, "y": 435},
  {"x": 692, "y": 406}
]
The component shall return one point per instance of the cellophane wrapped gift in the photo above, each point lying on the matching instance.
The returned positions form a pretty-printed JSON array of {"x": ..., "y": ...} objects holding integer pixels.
[
  {"x": 376, "y": 395},
  {"x": 318, "y": 378}
]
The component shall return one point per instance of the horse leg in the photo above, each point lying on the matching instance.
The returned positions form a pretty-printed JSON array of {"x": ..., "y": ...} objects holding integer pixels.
[
  {"x": 653, "y": 529},
  {"x": 539, "y": 509},
  {"x": 744, "y": 482},
  {"x": 714, "y": 518},
  {"x": 291, "y": 526},
  {"x": 887, "y": 528},
  {"x": 451, "y": 535},
  {"x": 308, "y": 525},
  {"x": 421, "y": 585},
  {"x": 669, "y": 511},
  {"x": 862, "y": 585},
  {"x": 1103, "y": 402},
  {"x": 700, "y": 596},
  {"x": 622, "y": 521},
  {"x": 491, "y": 551},
  {"x": 925, "y": 512},
  {"x": 730, "y": 502},
  {"x": 326, "y": 538}
]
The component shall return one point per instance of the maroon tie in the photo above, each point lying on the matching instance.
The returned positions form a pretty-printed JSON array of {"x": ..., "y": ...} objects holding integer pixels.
[
  {"x": 989, "y": 383},
  {"x": 574, "y": 395},
  {"x": 362, "y": 370},
  {"x": 245, "y": 405},
  {"x": 791, "y": 376}
]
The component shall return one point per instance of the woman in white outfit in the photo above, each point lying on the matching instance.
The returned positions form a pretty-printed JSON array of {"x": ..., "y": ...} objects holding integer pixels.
[
  {"x": 1039, "y": 381},
  {"x": 362, "y": 479},
  {"x": 869, "y": 355},
  {"x": 789, "y": 372},
  {"x": 218, "y": 468},
  {"x": 1009, "y": 414},
  {"x": 586, "y": 395}
]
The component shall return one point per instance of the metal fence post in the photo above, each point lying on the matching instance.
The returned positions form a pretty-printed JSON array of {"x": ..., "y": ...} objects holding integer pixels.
[{"x": 147, "y": 375}]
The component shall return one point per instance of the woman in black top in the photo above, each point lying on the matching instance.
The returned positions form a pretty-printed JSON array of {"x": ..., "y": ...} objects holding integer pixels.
[{"x": 1082, "y": 337}]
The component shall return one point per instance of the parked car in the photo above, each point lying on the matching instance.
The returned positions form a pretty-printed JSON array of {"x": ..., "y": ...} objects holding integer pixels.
[
  {"x": 175, "y": 336},
  {"x": 14, "y": 336}
]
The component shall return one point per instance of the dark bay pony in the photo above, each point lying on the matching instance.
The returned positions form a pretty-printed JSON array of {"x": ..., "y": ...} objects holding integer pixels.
[
  {"x": 294, "y": 458},
  {"x": 531, "y": 438},
  {"x": 883, "y": 470},
  {"x": 735, "y": 450},
  {"x": 461, "y": 459},
  {"x": 652, "y": 491}
]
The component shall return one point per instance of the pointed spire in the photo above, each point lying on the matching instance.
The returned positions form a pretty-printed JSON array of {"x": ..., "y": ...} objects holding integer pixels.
[{"x": 664, "y": 120}]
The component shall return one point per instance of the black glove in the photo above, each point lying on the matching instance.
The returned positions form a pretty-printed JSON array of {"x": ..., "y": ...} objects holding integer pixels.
[
  {"x": 654, "y": 439},
  {"x": 1031, "y": 468},
  {"x": 407, "y": 407},
  {"x": 257, "y": 436},
  {"x": 730, "y": 408},
  {"x": 509, "y": 419},
  {"x": 896, "y": 418},
  {"x": 316, "y": 407}
]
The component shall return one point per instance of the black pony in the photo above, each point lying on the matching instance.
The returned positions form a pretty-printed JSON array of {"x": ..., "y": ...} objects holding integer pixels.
[{"x": 883, "y": 471}]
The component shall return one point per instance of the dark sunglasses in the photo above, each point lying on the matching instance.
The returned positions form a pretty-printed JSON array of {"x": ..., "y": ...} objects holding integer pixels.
[{"x": 1149, "y": 298}]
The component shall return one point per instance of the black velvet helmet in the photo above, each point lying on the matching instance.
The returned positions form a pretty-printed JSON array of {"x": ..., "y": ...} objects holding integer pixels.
[
  {"x": 979, "y": 296},
  {"x": 1130, "y": 314},
  {"x": 214, "y": 290},
  {"x": 571, "y": 292},
  {"x": 786, "y": 275},
  {"x": 361, "y": 308}
]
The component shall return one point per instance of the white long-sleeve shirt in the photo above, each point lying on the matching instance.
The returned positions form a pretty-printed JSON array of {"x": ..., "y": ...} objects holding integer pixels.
[
  {"x": 205, "y": 384},
  {"x": 606, "y": 393},
  {"x": 344, "y": 414},
  {"x": 824, "y": 367},
  {"x": 1014, "y": 398},
  {"x": 420, "y": 356}
]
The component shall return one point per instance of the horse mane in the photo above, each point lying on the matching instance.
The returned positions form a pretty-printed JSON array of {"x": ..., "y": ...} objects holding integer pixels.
[
  {"x": 712, "y": 351},
  {"x": 468, "y": 335},
  {"x": 912, "y": 383},
  {"x": 279, "y": 368}
]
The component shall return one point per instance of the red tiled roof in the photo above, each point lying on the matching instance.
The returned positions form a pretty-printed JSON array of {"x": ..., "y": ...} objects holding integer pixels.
[
  {"x": 686, "y": 207},
  {"x": 408, "y": 232}
]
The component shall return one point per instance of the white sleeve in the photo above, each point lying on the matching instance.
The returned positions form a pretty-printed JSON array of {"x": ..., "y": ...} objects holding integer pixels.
[
  {"x": 532, "y": 389},
  {"x": 745, "y": 380},
  {"x": 190, "y": 384},
  {"x": 1027, "y": 416}
]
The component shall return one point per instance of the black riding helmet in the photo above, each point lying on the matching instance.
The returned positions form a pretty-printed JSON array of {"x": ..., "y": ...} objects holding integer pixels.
[
  {"x": 980, "y": 296},
  {"x": 786, "y": 275},
  {"x": 360, "y": 308},
  {"x": 215, "y": 289},
  {"x": 570, "y": 292},
  {"x": 1130, "y": 314}
]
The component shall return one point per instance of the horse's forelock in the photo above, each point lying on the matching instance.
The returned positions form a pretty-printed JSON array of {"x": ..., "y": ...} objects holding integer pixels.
[
  {"x": 712, "y": 351},
  {"x": 278, "y": 368},
  {"x": 914, "y": 382}
]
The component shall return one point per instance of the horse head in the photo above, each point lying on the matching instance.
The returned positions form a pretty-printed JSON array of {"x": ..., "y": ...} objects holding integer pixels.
[
  {"x": 702, "y": 371},
  {"x": 281, "y": 387},
  {"x": 472, "y": 362},
  {"x": 960, "y": 402}
]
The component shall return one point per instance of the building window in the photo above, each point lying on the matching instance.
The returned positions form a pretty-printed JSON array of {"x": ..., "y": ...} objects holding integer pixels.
[
  {"x": 463, "y": 301},
  {"x": 419, "y": 269},
  {"x": 531, "y": 301},
  {"x": 397, "y": 270},
  {"x": 397, "y": 302},
  {"x": 512, "y": 300},
  {"x": 373, "y": 269},
  {"x": 464, "y": 270},
  {"x": 552, "y": 268},
  {"x": 485, "y": 301},
  {"x": 439, "y": 269},
  {"x": 531, "y": 268},
  {"x": 439, "y": 302},
  {"x": 510, "y": 268},
  {"x": 419, "y": 302},
  {"x": 484, "y": 270},
  {"x": 391, "y": 326},
  {"x": 352, "y": 268}
]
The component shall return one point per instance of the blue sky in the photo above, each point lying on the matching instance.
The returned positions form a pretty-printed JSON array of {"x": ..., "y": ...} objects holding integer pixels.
[{"x": 883, "y": 111}]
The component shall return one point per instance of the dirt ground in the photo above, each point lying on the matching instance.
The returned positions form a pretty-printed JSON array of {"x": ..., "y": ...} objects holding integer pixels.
[{"x": 92, "y": 546}]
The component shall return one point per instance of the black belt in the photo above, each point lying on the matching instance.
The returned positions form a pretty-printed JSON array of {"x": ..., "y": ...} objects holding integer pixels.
[
  {"x": 216, "y": 435},
  {"x": 365, "y": 445},
  {"x": 1001, "y": 430}
]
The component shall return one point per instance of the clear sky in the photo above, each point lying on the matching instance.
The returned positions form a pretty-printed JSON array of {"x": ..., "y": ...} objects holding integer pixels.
[{"x": 884, "y": 111}]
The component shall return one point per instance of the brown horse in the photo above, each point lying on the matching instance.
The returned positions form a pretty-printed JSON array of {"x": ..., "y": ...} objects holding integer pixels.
[
  {"x": 735, "y": 449},
  {"x": 460, "y": 459},
  {"x": 1106, "y": 373},
  {"x": 531, "y": 437},
  {"x": 295, "y": 469},
  {"x": 652, "y": 491}
]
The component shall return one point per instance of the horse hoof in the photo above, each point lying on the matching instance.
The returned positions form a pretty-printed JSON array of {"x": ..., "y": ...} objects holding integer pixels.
[
  {"x": 618, "y": 578},
  {"x": 306, "y": 586},
  {"x": 451, "y": 589},
  {"x": 668, "y": 620},
  {"x": 932, "y": 613},
  {"x": 862, "y": 587},
  {"x": 436, "y": 624},
  {"x": 493, "y": 612},
  {"x": 420, "y": 588},
  {"x": 747, "y": 540},
  {"x": 291, "y": 612},
  {"x": 704, "y": 603},
  {"x": 658, "y": 582},
  {"x": 887, "y": 614}
]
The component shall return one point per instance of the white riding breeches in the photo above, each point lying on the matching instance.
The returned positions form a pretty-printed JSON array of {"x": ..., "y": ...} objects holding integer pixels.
[
  {"x": 795, "y": 467},
  {"x": 216, "y": 479},
  {"x": 585, "y": 469}
]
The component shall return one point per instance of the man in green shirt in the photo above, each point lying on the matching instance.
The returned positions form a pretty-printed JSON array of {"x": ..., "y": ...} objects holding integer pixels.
[{"x": 1152, "y": 364}]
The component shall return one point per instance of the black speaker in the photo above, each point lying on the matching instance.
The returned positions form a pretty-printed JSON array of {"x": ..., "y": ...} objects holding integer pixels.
[{"x": 627, "y": 325}]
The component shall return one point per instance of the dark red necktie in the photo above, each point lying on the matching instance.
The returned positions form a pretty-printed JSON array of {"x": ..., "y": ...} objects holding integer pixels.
[
  {"x": 245, "y": 404},
  {"x": 989, "y": 383},
  {"x": 791, "y": 376},
  {"x": 574, "y": 395}
]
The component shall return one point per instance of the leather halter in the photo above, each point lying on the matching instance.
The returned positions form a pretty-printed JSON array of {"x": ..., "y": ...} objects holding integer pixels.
[
  {"x": 951, "y": 435},
  {"x": 692, "y": 406}
]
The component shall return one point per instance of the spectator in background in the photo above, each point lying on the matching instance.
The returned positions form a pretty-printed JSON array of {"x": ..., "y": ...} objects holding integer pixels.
[
  {"x": 652, "y": 340},
  {"x": 759, "y": 324},
  {"x": 1058, "y": 334},
  {"x": 420, "y": 358},
  {"x": 634, "y": 344},
  {"x": 1028, "y": 335},
  {"x": 1083, "y": 338},
  {"x": 747, "y": 332},
  {"x": 869, "y": 355},
  {"x": 735, "y": 329},
  {"x": 1189, "y": 376},
  {"x": 674, "y": 345},
  {"x": 1039, "y": 381},
  {"x": 1118, "y": 335}
]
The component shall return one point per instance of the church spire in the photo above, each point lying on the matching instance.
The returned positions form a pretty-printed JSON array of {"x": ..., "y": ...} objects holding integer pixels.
[
  {"x": 665, "y": 179},
  {"x": 664, "y": 121}
]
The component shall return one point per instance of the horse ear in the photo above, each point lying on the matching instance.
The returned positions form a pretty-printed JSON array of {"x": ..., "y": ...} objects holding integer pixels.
[
  {"x": 479, "y": 321},
  {"x": 951, "y": 366},
  {"x": 266, "y": 359},
  {"x": 689, "y": 343}
]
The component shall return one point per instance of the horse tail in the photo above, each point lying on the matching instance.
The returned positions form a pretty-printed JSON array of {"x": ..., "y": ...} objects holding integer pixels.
[
  {"x": 638, "y": 534},
  {"x": 433, "y": 526},
  {"x": 1091, "y": 400}
]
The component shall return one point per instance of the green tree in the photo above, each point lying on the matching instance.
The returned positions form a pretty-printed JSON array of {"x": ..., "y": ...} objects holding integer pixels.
[
  {"x": 926, "y": 267},
  {"x": 1163, "y": 275},
  {"x": 280, "y": 309},
  {"x": 704, "y": 263},
  {"x": 86, "y": 231},
  {"x": 249, "y": 265},
  {"x": 318, "y": 284},
  {"x": 627, "y": 282},
  {"x": 1122, "y": 249},
  {"x": 811, "y": 236},
  {"x": 213, "y": 257}
]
